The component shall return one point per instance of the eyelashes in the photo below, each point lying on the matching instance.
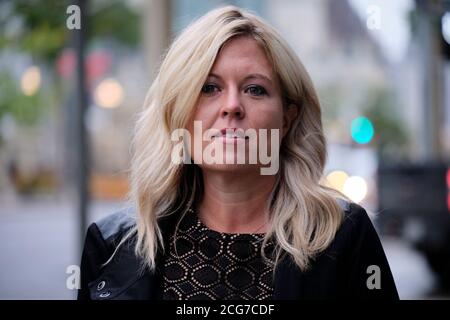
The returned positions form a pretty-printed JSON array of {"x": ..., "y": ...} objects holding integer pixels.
[
  {"x": 210, "y": 89},
  {"x": 256, "y": 90}
]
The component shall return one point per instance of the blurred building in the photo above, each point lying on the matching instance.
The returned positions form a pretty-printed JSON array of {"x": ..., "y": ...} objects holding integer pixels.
[{"x": 338, "y": 51}]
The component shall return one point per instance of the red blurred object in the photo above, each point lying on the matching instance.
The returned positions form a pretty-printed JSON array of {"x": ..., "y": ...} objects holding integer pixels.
[
  {"x": 448, "y": 178},
  {"x": 65, "y": 64},
  {"x": 97, "y": 64}
]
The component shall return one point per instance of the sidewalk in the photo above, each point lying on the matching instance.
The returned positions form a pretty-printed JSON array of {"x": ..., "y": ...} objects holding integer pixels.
[{"x": 37, "y": 243}]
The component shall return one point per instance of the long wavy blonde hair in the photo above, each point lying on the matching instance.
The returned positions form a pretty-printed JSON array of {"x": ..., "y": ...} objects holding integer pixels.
[{"x": 304, "y": 213}]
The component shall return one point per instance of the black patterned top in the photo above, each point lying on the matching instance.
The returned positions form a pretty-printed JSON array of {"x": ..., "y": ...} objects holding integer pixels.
[{"x": 210, "y": 265}]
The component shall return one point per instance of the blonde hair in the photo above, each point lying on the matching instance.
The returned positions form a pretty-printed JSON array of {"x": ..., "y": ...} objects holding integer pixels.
[{"x": 305, "y": 214}]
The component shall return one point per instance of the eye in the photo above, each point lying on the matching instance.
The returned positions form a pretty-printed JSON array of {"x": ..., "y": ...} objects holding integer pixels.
[
  {"x": 256, "y": 90},
  {"x": 209, "y": 88}
]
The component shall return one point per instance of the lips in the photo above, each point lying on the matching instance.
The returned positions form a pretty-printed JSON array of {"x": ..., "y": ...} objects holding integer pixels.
[{"x": 231, "y": 133}]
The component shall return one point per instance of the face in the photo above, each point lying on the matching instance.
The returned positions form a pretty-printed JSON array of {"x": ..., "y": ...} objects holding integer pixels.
[{"x": 241, "y": 92}]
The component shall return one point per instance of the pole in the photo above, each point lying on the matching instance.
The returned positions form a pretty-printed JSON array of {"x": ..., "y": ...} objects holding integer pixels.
[
  {"x": 81, "y": 162},
  {"x": 432, "y": 80}
]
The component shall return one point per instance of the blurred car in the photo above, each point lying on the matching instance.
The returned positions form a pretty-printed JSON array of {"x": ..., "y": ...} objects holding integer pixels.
[{"x": 414, "y": 204}]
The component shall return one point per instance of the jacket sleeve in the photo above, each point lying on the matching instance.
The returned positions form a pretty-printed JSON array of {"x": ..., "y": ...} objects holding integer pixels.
[
  {"x": 369, "y": 275},
  {"x": 95, "y": 253}
]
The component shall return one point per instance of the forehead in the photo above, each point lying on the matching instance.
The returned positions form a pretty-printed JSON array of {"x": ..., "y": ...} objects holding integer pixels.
[{"x": 242, "y": 55}]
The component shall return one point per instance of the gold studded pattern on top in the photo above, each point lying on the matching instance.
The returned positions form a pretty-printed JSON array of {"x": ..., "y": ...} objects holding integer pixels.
[{"x": 208, "y": 265}]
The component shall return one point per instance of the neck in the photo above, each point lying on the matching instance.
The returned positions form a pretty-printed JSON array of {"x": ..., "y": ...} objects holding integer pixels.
[{"x": 236, "y": 203}]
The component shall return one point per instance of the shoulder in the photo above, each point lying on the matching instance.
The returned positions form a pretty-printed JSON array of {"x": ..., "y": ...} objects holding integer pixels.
[
  {"x": 356, "y": 237},
  {"x": 354, "y": 215},
  {"x": 357, "y": 234},
  {"x": 356, "y": 223},
  {"x": 104, "y": 235},
  {"x": 363, "y": 260},
  {"x": 113, "y": 226},
  {"x": 102, "y": 240}
]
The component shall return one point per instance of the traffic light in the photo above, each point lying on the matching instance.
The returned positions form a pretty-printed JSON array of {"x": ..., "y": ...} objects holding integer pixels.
[{"x": 362, "y": 130}]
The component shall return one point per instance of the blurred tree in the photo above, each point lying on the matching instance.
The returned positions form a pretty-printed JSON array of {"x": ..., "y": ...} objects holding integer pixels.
[
  {"x": 331, "y": 100},
  {"x": 38, "y": 28},
  {"x": 114, "y": 20},
  {"x": 391, "y": 138},
  {"x": 23, "y": 108}
]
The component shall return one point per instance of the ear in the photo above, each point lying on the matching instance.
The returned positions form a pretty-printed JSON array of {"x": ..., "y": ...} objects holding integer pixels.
[{"x": 290, "y": 113}]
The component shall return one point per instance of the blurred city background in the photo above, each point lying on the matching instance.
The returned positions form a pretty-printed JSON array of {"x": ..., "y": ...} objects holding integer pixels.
[{"x": 381, "y": 68}]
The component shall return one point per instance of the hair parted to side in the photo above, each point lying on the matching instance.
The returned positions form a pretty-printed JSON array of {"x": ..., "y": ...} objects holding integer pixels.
[{"x": 305, "y": 214}]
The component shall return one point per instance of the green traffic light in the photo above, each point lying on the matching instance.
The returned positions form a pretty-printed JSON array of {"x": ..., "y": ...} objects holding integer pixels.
[{"x": 362, "y": 130}]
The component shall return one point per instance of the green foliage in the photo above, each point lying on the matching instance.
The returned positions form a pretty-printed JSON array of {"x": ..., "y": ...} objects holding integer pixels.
[
  {"x": 43, "y": 29},
  {"x": 24, "y": 109},
  {"x": 331, "y": 101},
  {"x": 391, "y": 137},
  {"x": 43, "y": 32},
  {"x": 115, "y": 20}
]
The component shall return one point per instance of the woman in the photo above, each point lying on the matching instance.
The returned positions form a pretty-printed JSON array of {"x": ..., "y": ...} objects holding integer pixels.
[{"x": 207, "y": 224}]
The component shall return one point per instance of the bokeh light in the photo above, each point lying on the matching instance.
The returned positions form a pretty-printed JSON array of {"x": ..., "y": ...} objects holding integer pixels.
[
  {"x": 355, "y": 188},
  {"x": 336, "y": 179},
  {"x": 31, "y": 81},
  {"x": 362, "y": 130},
  {"x": 109, "y": 94}
]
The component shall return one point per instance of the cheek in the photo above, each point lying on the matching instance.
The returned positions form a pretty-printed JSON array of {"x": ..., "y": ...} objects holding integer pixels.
[
  {"x": 205, "y": 113},
  {"x": 204, "y": 116},
  {"x": 271, "y": 118}
]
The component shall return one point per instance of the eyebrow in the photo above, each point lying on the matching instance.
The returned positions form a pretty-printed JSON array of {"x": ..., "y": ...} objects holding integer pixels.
[{"x": 250, "y": 76}]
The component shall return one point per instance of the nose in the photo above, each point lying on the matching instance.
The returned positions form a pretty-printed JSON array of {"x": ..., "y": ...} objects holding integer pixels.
[{"x": 232, "y": 106}]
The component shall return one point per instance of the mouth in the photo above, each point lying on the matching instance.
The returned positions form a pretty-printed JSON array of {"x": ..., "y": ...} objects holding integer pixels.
[{"x": 231, "y": 133}]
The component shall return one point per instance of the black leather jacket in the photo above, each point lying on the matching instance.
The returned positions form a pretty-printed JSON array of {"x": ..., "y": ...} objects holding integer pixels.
[{"x": 341, "y": 271}]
